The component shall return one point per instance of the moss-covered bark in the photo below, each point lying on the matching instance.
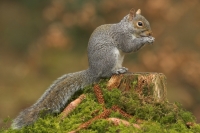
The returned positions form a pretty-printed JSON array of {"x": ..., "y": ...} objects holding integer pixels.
[{"x": 141, "y": 95}]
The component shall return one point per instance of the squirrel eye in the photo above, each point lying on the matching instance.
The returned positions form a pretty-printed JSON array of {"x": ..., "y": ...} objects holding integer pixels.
[{"x": 140, "y": 24}]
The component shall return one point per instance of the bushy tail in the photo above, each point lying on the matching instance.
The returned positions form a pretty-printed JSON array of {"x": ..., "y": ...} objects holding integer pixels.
[
  {"x": 26, "y": 117},
  {"x": 55, "y": 97}
]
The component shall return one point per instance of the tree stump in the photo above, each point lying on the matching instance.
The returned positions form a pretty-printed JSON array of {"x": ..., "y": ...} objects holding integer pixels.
[{"x": 147, "y": 85}]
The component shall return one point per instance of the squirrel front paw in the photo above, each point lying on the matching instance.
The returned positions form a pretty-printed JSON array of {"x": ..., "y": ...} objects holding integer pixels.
[{"x": 150, "y": 39}]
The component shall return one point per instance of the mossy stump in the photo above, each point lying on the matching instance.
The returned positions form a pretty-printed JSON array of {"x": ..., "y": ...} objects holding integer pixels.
[
  {"x": 136, "y": 99},
  {"x": 149, "y": 85}
]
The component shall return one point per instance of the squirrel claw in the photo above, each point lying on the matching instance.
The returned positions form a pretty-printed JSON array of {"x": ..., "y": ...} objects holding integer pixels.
[{"x": 121, "y": 70}]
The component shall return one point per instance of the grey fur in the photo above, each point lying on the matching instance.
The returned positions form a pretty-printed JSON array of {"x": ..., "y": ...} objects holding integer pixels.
[{"x": 106, "y": 49}]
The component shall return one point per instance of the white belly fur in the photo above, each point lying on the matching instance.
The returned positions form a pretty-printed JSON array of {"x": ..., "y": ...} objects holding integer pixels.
[{"x": 119, "y": 59}]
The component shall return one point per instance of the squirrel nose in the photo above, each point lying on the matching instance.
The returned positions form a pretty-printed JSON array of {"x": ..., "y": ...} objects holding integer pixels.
[{"x": 150, "y": 33}]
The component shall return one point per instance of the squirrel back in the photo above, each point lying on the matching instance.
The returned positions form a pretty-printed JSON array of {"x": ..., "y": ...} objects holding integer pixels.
[{"x": 107, "y": 47}]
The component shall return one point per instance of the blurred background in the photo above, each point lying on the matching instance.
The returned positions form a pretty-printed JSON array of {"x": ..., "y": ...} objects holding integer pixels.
[{"x": 42, "y": 40}]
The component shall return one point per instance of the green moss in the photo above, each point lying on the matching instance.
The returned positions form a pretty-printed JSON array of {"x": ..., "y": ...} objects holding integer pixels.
[
  {"x": 158, "y": 117},
  {"x": 134, "y": 83}
]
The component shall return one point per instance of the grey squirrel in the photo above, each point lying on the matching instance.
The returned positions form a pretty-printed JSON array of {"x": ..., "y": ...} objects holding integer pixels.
[{"x": 106, "y": 49}]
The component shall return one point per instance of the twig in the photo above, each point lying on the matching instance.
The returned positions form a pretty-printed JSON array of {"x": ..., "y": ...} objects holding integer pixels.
[
  {"x": 123, "y": 113},
  {"x": 103, "y": 115}
]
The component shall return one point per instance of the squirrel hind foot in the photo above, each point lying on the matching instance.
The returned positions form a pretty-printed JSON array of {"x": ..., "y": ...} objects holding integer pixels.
[{"x": 121, "y": 70}]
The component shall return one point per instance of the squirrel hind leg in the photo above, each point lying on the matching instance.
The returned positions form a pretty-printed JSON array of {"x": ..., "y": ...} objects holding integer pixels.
[{"x": 120, "y": 70}]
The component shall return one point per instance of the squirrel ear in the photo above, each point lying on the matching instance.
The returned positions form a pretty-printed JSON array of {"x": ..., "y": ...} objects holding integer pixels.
[
  {"x": 131, "y": 14},
  {"x": 138, "y": 11}
]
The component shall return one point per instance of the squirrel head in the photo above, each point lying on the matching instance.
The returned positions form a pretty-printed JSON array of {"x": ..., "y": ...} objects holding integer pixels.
[{"x": 141, "y": 25}]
